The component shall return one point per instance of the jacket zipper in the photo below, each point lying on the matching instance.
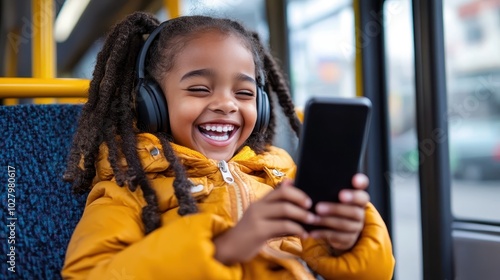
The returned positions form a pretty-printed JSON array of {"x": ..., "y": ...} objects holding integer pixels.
[{"x": 228, "y": 178}]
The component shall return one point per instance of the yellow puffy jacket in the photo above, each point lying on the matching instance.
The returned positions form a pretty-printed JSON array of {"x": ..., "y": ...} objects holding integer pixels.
[{"x": 109, "y": 241}]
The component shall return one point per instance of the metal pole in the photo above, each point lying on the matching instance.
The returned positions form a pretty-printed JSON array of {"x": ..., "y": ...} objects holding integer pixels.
[
  {"x": 370, "y": 82},
  {"x": 432, "y": 132}
]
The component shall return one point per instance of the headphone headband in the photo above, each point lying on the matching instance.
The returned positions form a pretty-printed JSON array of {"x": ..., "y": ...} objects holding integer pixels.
[{"x": 141, "y": 59}]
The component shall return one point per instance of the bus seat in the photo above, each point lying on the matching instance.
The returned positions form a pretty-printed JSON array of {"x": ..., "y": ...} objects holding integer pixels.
[{"x": 39, "y": 211}]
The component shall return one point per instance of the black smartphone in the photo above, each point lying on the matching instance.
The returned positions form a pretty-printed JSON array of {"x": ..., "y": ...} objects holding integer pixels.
[{"x": 331, "y": 147}]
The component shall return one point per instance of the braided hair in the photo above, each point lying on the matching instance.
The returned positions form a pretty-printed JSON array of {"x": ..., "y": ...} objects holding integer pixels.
[{"x": 109, "y": 114}]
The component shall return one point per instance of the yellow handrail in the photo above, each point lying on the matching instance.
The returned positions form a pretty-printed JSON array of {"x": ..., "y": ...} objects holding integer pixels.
[
  {"x": 173, "y": 7},
  {"x": 43, "y": 87},
  {"x": 44, "y": 83}
]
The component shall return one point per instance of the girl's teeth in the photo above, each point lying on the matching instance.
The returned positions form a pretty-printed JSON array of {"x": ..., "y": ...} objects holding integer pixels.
[
  {"x": 218, "y": 138},
  {"x": 218, "y": 128}
]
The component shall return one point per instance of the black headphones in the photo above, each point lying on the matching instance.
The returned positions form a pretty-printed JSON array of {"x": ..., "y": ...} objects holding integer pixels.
[{"x": 151, "y": 105}]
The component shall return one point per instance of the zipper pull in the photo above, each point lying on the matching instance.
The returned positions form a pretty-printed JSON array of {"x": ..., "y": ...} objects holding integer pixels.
[{"x": 224, "y": 169}]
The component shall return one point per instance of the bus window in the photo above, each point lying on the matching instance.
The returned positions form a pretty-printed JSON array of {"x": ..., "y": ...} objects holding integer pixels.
[
  {"x": 322, "y": 49},
  {"x": 250, "y": 13},
  {"x": 404, "y": 153},
  {"x": 472, "y": 36}
]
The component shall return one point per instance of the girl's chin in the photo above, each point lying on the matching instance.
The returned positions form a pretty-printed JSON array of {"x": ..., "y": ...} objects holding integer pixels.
[
  {"x": 222, "y": 155},
  {"x": 217, "y": 149},
  {"x": 217, "y": 142}
]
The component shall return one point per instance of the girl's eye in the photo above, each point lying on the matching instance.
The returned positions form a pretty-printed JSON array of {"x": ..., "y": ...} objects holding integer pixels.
[
  {"x": 198, "y": 89},
  {"x": 245, "y": 94}
]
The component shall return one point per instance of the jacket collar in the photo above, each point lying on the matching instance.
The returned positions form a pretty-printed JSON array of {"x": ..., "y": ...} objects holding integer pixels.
[{"x": 150, "y": 153}]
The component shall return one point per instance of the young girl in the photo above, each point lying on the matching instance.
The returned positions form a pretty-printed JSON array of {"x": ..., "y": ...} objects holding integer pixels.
[{"x": 204, "y": 194}]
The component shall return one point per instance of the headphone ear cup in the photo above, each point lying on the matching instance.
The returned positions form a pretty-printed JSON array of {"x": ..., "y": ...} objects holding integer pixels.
[
  {"x": 151, "y": 107},
  {"x": 263, "y": 111}
]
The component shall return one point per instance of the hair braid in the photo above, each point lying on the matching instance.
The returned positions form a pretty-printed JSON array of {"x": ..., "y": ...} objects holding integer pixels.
[
  {"x": 135, "y": 173},
  {"x": 108, "y": 116},
  {"x": 150, "y": 213},
  {"x": 109, "y": 131},
  {"x": 73, "y": 172},
  {"x": 279, "y": 86},
  {"x": 182, "y": 186},
  {"x": 124, "y": 119},
  {"x": 102, "y": 88}
]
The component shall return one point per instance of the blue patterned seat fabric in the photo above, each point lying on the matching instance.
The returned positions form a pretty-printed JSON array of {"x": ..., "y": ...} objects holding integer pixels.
[{"x": 35, "y": 141}]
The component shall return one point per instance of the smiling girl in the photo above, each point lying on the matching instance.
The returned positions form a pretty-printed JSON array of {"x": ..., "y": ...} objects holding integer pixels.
[{"x": 174, "y": 145}]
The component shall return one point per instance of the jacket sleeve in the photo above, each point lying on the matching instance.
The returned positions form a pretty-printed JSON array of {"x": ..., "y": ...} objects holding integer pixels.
[
  {"x": 109, "y": 243},
  {"x": 370, "y": 258}
]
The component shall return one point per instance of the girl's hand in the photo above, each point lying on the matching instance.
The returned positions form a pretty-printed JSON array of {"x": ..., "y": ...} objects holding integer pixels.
[
  {"x": 276, "y": 214},
  {"x": 345, "y": 220}
]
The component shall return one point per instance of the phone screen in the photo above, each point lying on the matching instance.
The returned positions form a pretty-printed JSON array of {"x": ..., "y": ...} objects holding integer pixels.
[{"x": 332, "y": 142}]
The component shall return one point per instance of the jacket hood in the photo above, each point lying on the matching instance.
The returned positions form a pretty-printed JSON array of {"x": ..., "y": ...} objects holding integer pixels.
[{"x": 152, "y": 158}]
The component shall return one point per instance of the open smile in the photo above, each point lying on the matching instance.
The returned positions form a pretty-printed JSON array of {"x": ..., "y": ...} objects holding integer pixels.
[{"x": 217, "y": 132}]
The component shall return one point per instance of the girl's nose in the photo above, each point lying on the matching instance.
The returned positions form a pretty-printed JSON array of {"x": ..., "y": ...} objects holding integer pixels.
[{"x": 223, "y": 103}]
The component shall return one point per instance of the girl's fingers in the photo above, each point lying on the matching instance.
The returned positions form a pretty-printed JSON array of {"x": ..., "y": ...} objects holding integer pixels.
[
  {"x": 289, "y": 211},
  {"x": 337, "y": 239},
  {"x": 340, "y": 224},
  {"x": 354, "y": 197},
  {"x": 360, "y": 181},
  {"x": 287, "y": 192},
  {"x": 346, "y": 211},
  {"x": 284, "y": 227}
]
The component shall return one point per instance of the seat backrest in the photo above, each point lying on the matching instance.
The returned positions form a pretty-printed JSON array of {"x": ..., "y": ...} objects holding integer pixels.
[{"x": 39, "y": 212}]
